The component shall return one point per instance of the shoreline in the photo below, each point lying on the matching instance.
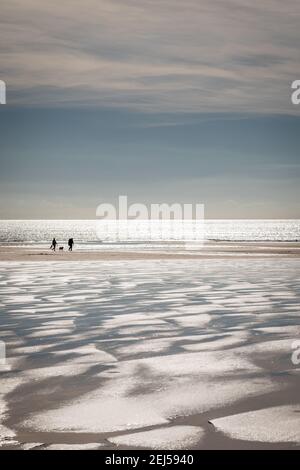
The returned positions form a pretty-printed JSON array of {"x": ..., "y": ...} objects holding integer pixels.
[{"x": 210, "y": 250}]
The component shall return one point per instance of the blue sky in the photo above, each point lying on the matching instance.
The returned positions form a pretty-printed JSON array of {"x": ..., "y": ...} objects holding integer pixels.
[{"x": 164, "y": 101}]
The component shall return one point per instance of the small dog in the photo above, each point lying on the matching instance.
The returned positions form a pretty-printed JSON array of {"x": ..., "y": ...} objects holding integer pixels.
[{"x": 61, "y": 247}]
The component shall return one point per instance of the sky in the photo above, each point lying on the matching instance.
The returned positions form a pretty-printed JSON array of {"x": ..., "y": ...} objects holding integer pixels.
[{"x": 161, "y": 100}]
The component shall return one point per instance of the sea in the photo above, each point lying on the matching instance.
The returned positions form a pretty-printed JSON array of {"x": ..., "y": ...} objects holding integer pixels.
[{"x": 99, "y": 234}]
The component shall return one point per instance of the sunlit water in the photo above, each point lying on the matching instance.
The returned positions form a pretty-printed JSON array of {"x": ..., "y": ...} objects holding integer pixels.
[{"x": 93, "y": 234}]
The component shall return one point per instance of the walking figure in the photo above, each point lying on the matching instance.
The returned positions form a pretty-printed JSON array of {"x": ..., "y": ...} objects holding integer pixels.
[
  {"x": 71, "y": 243},
  {"x": 53, "y": 246}
]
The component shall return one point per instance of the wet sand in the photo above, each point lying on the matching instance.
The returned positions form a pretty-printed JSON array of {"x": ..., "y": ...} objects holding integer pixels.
[
  {"x": 208, "y": 250},
  {"x": 164, "y": 354}
]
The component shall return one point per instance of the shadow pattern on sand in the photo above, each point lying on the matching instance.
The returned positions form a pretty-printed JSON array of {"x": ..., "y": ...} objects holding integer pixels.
[{"x": 150, "y": 355}]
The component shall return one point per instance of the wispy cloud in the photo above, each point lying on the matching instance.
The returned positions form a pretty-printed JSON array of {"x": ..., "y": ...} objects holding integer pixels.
[{"x": 152, "y": 55}]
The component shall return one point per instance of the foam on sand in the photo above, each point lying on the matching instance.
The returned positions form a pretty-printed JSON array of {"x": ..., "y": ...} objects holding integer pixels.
[
  {"x": 152, "y": 391},
  {"x": 102, "y": 415},
  {"x": 212, "y": 342},
  {"x": 31, "y": 445},
  {"x": 114, "y": 346},
  {"x": 6, "y": 435},
  {"x": 83, "y": 358},
  {"x": 168, "y": 438},
  {"x": 89, "y": 446},
  {"x": 276, "y": 424},
  {"x": 194, "y": 320}
]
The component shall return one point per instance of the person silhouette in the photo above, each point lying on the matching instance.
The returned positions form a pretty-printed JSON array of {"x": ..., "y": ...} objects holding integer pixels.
[
  {"x": 54, "y": 243},
  {"x": 71, "y": 243}
]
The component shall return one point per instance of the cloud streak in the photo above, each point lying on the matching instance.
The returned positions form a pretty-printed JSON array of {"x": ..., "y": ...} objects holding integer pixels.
[{"x": 152, "y": 56}]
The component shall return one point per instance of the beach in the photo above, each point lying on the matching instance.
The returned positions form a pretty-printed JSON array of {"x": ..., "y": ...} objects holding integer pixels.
[
  {"x": 150, "y": 228},
  {"x": 209, "y": 249},
  {"x": 149, "y": 350}
]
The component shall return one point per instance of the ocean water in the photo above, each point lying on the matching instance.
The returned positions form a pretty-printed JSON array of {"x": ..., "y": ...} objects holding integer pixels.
[{"x": 95, "y": 234}]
